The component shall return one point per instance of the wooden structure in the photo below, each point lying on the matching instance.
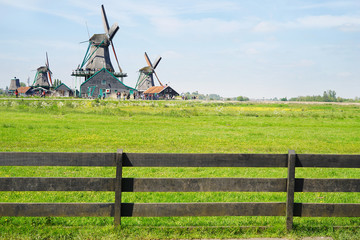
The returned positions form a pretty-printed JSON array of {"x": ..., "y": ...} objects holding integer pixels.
[
  {"x": 291, "y": 185},
  {"x": 97, "y": 55},
  {"x": 25, "y": 91},
  {"x": 160, "y": 92},
  {"x": 14, "y": 84},
  {"x": 63, "y": 91},
  {"x": 103, "y": 84},
  {"x": 146, "y": 78}
]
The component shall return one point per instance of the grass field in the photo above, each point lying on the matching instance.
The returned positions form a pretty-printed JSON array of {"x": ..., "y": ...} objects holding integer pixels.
[{"x": 176, "y": 126}]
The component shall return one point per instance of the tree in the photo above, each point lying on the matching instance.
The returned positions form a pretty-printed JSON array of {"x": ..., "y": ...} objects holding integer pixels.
[
  {"x": 242, "y": 99},
  {"x": 57, "y": 82},
  {"x": 329, "y": 96},
  {"x": 22, "y": 84}
]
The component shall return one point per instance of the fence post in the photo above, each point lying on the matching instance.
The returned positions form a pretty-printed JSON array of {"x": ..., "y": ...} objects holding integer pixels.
[
  {"x": 117, "y": 208},
  {"x": 290, "y": 190}
]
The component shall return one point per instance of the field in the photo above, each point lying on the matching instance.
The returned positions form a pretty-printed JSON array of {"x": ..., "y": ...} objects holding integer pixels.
[{"x": 178, "y": 127}]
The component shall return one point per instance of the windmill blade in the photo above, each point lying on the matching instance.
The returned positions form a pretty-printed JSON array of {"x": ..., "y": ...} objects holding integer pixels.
[
  {"x": 48, "y": 68},
  {"x": 49, "y": 74},
  {"x": 47, "y": 61},
  {"x": 105, "y": 21},
  {"x": 158, "y": 79},
  {"x": 148, "y": 61},
  {"x": 117, "y": 61},
  {"x": 157, "y": 62},
  {"x": 113, "y": 30}
]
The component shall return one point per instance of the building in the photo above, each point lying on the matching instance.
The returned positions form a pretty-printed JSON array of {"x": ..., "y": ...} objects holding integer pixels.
[
  {"x": 14, "y": 84},
  {"x": 25, "y": 91},
  {"x": 104, "y": 84},
  {"x": 63, "y": 91},
  {"x": 160, "y": 92}
]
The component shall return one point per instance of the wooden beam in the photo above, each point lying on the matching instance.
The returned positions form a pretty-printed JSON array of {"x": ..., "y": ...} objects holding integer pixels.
[
  {"x": 57, "y": 184},
  {"x": 327, "y": 210},
  {"x": 203, "y": 160},
  {"x": 57, "y": 159},
  {"x": 202, "y": 209},
  {"x": 328, "y": 161},
  {"x": 118, "y": 187},
  {"x": 290, "y": 190},
  {"x": 57, "y": 209},
  {"x": 327, "y": 185},
  {"x": 204, "y": 185}
]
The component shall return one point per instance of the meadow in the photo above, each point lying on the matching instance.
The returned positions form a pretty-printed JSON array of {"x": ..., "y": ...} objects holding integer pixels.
[{"x": 52, "y": 125}]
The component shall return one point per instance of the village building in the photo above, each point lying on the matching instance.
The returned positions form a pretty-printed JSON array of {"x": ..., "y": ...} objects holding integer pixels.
[
  {"x": 63, "y": 91},
  {"x": 14, "y": 84},
  {"x": 160, "y": 92},
  {"x": 103, "y": 84},
  {"x": 25, "y": 91}
]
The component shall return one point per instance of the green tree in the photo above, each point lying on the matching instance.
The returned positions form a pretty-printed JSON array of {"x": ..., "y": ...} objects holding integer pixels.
[
  {"x": 329, "y": 96},
  {"x": 22, "y": 84},
  {"x": 56, "y": 83},
  {"x": 242, "y": 98}
]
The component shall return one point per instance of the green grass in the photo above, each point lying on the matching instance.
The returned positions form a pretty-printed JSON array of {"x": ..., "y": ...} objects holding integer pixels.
[{"x": 176, "y": 126}]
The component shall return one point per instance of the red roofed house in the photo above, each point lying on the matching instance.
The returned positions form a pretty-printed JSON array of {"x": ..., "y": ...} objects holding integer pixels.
[
  {"x": 25, "y": 91},
  {"x": 160, "y": 92}
]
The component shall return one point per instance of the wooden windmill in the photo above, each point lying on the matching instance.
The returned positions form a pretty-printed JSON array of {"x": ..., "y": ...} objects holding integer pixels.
[
  {"x": 97, "y": 55},
  {"x": 43, "y": 75},
  {"x": 146, "y": 80}
]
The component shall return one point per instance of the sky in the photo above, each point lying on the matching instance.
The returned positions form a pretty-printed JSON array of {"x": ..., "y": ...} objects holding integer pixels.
[{"x": 254, "y": 48}]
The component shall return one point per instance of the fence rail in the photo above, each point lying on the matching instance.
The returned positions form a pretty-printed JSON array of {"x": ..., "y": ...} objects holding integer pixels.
[{"x": 290, "y": 185}]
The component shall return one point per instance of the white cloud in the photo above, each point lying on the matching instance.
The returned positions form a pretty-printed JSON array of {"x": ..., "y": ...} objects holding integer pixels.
[
  {"x": 327, "y": 21},
  {"x": 342, "y": 23},
  {"x": 206, "y": 26},
  {"x": 264, "y": 27}
]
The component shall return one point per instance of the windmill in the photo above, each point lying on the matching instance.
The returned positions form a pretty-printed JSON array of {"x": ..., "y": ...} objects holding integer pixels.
[
  {"x": 97, "y": 55},
  {"x": 146, "y": 80},
  {"x": 43, "y": 75}
]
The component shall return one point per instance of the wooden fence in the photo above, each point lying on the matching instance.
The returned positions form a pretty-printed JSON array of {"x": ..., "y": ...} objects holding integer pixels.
[{"x": 119, "y": 185}]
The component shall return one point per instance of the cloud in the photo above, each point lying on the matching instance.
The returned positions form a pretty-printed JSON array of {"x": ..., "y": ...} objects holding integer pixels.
[
  {"x": 327, "y": 21},
  {"x": 264, "y": 27},
  {"x": 39, "y": 6},
  {"x": 342, "y": 23},
  {"x": 194, "y": 27},
  {"x": 332, "y": 5}
]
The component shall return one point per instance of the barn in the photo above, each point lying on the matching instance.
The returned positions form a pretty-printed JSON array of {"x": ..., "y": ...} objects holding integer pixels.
[
  {"x": 104, "y": 84},
  {"x": 160, "y": 92}
]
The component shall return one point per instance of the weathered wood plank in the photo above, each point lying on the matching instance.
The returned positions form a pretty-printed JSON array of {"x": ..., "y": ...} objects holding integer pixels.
[
  {"x": 203, "y": 160},
  {"x": 290, "y": 190},
  {"x": 57, "y": 209},
  {"x": 204, "y": 185},
  {"x": 57, "y": 184},
  {"x": 328, "y": 161},
  {"x": 327, "y": 209},
  {"x": 201, "y": 209},
  {"x": 57, "y": 159},
  {"x": 118, "y": 188},
  {"x": 327, "y": 185}
]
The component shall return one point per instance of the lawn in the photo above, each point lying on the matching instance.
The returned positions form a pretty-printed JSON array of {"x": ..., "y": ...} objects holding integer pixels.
[{"x": 176, "y": 127}]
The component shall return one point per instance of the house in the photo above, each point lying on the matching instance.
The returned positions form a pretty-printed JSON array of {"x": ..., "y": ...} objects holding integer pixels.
[
  {"x": 104, "y": 84},
  {"x": 25, "y": 91},
  {"x": 63, "y": 91},
  {"x": 160, "y": 92}
]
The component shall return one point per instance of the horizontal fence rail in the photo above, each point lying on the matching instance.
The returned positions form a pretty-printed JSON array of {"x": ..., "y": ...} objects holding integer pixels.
[{"x": 118, "y": 184}]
